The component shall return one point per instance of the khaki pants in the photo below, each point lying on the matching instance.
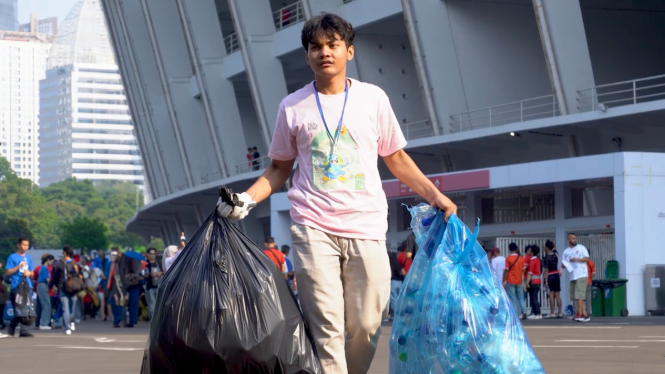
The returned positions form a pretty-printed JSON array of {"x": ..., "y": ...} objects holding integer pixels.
[{"x": 343, "y": 286}]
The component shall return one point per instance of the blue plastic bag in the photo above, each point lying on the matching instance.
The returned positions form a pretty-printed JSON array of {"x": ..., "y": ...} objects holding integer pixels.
[{"x": 453, "y": 315}]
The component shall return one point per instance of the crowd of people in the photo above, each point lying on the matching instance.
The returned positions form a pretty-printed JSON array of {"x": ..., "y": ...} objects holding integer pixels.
[
  {"x": 523, "y": 277},
  {"x": 75, "y": 287}
]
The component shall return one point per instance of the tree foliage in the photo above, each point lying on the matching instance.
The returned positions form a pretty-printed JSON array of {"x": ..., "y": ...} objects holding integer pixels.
[
  {"x": 84, "y": 233},
  {"x": 65, "y": 213}
]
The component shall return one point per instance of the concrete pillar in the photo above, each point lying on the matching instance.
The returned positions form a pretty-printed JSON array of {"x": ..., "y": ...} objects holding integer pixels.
[
  {"x": 255, "y": 27},
  {"x": 314, "y": 7},
  {"x": 561, "y": 212},
  {"x": 569, "y": 50},
  {"x": 436, "y": 60},
  {"x": 472, "y": 210},
  {"x": 639, "y": 214}
]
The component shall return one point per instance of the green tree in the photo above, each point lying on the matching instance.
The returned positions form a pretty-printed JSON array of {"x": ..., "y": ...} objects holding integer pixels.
[
  {"x": 84, "y": 233},
  {"x": 156, "y": 243}
]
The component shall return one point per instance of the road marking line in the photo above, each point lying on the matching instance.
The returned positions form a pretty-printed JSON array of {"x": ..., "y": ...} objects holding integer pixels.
[
  {"x": 585, "y": 346},
  {"x": 573, "y": 327},
  {"x": 611, "y": 341},
  {"x": 104, "y": 340},
  {"x": 94, "y": 348},
  {"x": 655, "y": 337}
]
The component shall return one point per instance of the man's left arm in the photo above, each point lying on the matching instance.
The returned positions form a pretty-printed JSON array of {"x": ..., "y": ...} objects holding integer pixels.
[{"x": 403, "y": 167}]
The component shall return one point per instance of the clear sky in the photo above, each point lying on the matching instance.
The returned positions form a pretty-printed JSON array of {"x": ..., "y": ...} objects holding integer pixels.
[{"x": 44, "y": 9}]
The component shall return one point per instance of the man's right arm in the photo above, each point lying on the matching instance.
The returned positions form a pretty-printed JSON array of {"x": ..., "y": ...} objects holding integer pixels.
[{"x": 272, "y": 180}]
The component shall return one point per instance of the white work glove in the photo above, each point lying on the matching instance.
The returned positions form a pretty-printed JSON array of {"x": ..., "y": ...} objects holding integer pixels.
[{"x": 236, "y": 213}]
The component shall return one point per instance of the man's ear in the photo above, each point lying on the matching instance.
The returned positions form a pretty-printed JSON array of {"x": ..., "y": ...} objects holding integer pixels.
[
  {"x": 306, "y": 58},
  {"x": 350, "y": 53}
]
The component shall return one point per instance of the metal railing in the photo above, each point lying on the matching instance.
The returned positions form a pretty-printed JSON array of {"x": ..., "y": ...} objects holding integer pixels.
[
  {"x": 519, "y": 111},
  {"x": 256, "y": 164},
  {"x": 210, "y": 177},
  {"x": 621, "y": 93},
  {"x": 418, "y": 129},
  {"x": 231, "y": 43},
  {"x": 289, "y": 15}
]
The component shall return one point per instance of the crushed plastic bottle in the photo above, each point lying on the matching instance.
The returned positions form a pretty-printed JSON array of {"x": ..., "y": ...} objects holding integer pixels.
[{"x": 453, "y": 315}]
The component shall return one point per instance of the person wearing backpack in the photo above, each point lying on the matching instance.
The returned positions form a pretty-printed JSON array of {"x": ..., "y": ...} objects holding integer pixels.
[
  {"x": 19, "y": 268},
  {"x": 67, "y": 280}
]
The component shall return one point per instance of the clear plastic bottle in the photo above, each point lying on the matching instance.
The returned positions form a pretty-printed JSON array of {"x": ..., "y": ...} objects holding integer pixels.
[{"x": 488, "y": 366}]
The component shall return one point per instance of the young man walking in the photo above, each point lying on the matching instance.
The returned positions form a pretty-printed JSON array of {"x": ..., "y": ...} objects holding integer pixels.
[
  {"x": 154, "y": 276},
  {"x": 552, "y": 279},
  {"x": 497, "y": 262},
  {"x": 513, "y": 280},
  {"x": 336, "y": 128},
  {"x": 19, "y": 267},
  {"x": 575, "y": 259},
  {"x": 67, "y": 280},
  {"x": 44, "y": 310},
  {"x": 273, "y": 253}
]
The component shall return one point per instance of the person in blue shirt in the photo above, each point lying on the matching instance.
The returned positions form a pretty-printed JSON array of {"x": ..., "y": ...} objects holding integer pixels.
[
  {"x": 44, "y": 312},
  {"x": 19, "y": 266}
]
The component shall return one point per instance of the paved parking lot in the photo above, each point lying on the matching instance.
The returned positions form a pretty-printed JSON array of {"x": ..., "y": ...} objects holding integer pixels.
[{"x": 632, "y": 345}]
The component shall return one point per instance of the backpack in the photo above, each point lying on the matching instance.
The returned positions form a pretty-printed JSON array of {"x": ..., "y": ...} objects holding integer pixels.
[{"x": 73, "y": 278}]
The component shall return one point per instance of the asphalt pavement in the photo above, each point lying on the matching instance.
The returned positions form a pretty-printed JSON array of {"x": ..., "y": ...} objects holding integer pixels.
[{"x": 632, "y": 345}]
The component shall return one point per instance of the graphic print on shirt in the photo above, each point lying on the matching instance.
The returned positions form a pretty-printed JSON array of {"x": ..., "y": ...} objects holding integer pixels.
[{"x": 339, "y": 170}]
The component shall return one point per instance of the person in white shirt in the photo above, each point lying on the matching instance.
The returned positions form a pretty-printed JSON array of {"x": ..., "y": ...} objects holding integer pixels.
[
  {"x": 575, "y": 259},
  {"x": 497, "y": 262}
]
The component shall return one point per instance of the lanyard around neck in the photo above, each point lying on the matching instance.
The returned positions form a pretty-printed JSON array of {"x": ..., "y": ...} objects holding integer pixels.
[{"x": 333, "y": 140}]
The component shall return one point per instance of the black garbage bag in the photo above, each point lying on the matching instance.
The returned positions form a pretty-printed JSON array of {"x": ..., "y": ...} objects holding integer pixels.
[
  {"x": 24, "y": 306},
  {"x": 224, "y": 307}
]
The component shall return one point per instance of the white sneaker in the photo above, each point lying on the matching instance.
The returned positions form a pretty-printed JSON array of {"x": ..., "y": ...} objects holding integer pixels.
[
  {"x": 68, "y": 332},
  {"x": 44, "y": 327},
  {"x": 560, "y": 315},
  {"x": 533, "y": 316},
  {"x": 2, "y": 336},
  {"x": 73, "y": 327}
]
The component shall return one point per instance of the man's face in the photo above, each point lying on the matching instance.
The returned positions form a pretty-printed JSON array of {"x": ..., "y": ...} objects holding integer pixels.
[
  {"x": 152, "y": 255},
  {"x": 101, "y": 256},
  {"x": 327, "y": 57},
  {"x": 528, "y": 252},
  {"x": 23, "y": 246},
  {"x": 269, "y": 245},
  {"x": 572, "y": 240}
]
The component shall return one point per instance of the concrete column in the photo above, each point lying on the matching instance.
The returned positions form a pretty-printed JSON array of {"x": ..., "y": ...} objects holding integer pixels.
[
  {"x": 639, "y": 214},
  {"x": 314, "y": 7},
  {"x": 472, "y": 210},
  {"x": 561, "y": 210},
  {"x": 255, "y": 27},
  {"x": 568, "y": 49},
  {"x": 436, "y": 60}
]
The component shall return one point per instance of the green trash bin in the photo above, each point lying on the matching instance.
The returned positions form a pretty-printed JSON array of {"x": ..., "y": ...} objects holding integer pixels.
[
  {"x": 597, "y": 299},
  {"x": 612, "y": 269},
  {"x": 614, "y": 297}
]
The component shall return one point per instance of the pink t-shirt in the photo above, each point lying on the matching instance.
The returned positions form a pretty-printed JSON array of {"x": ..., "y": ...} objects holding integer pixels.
[{"x": 342, "y": 196}]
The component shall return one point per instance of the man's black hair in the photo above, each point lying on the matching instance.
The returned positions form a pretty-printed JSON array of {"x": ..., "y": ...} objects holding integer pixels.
[
  {"x": 270, "y": 239},
  {"x": 513, "y": 247},
  {"x": 286, "y": 249},
  {"x": 46, "y": 257},
  {"x": 569, "y": 234},
  {"x": 21, "y": 240},
  {"x": 549, "y": 244},
  {"x": 535, "y": 250},
  {"x": 328, "y": 25},
  {"x": 69, "y": 251},
  {"x": 151, "y": 249},
  {"x": 527, "y": 248}
]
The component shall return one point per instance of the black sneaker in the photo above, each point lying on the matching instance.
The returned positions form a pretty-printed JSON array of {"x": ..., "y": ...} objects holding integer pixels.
[{"x": 25, "y": 334}]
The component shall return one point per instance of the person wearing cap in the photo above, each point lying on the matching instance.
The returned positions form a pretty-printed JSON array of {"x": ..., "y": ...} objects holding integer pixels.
[{"x": 497, "y": 262}]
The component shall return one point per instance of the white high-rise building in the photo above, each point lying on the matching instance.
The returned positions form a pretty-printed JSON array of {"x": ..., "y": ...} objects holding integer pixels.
[
  {"x": 86, "y": 129},
  {"x": 23, "y": 61}
]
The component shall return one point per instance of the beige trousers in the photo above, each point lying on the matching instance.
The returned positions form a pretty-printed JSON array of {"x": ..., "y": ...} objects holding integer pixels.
[{"x": 343, "y": 286}]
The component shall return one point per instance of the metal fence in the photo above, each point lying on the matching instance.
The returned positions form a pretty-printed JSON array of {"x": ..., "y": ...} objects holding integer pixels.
[
  {"x": 519, "y": 111},
  {"x": 601, "y": 250},
  {"x": 288, "y": 15},
  {"x": 231, "y": 43},
  {"x": 621, "y": 93},
  {"x": 256, "y": 164},
  {"x": 418, "y": 129}
]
